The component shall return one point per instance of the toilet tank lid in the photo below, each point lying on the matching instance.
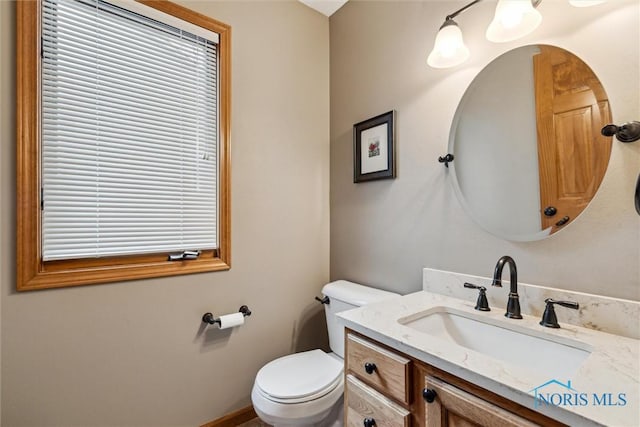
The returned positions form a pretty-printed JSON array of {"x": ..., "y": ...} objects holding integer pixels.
[{"x": 355, "y": 294}]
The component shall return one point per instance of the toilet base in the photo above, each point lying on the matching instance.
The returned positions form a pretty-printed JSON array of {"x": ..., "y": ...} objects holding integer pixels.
[{"x": 334, "y": 418}]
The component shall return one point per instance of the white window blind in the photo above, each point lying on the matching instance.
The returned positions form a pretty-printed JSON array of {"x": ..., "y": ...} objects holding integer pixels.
[{"x": 129, "y": 133}]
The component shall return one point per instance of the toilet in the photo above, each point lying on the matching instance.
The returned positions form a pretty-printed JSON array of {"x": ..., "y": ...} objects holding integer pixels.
[{"x": 306, "y": 389}]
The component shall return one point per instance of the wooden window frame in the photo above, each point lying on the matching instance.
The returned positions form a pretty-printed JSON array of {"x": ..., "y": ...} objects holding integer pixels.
[{"x": 34, "y": 273}]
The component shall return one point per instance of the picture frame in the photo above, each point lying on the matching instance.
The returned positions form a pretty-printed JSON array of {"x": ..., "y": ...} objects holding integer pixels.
[{"x": 374, "y": 148}]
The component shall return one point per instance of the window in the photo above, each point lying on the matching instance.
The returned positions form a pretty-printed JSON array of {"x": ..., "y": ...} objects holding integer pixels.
[{"x": 123, "y": 156}]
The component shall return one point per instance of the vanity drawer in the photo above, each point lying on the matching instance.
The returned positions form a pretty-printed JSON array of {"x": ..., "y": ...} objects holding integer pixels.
[
  {"x": 379, "y": 367},
  {"x": 364, "y": 403}
]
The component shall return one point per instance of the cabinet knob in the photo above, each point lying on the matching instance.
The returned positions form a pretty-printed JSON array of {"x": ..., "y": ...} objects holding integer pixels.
[
  {"x": 370, "y": 368},
  {"x": 369, "y": 422},
  {"x": 429, "y": 394}
]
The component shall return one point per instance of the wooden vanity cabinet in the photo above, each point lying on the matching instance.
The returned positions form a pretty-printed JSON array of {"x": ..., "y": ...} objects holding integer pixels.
[
  {"x": 384, "y": 388},
  {"x": 452, "y": 406}
]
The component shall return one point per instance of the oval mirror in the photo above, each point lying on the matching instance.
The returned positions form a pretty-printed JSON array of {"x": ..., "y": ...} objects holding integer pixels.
[{"x": 529, "y": 156}]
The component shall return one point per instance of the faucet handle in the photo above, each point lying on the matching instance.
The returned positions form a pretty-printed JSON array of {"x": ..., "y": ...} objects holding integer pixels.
[
  {"x": 568, "y": 304},
  {"x": 549, "y": 318},
  {"x": 481, "y": 304}
]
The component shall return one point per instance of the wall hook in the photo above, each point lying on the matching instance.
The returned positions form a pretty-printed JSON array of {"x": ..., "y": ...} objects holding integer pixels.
[
  {"x": 627, "y": 132},
  {"x": 446, "y": 159}
]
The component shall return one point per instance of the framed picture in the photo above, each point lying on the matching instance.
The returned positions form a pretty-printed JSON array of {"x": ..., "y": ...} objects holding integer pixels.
[{"x": 373, "y": 148}]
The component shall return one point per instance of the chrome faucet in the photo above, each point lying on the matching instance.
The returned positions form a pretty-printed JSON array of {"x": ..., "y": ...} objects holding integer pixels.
[{"x": 513, "y": 303}]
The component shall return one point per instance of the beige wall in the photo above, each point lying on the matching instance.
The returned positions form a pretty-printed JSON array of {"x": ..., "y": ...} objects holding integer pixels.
[
  {"x": 385, "y": 232},
  {"x": 134, "y": 353}
]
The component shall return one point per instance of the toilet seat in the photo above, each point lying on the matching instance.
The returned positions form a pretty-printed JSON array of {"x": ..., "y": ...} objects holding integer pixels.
[
  {"x": 299, "y": 377},
  {"x": 300, "y": 390}
]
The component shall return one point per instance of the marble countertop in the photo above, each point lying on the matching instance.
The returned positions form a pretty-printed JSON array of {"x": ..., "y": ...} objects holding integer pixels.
[{"x": 611, "y": 372}]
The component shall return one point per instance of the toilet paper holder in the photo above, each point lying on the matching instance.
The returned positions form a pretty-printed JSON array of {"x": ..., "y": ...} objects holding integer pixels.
[{"x": 210, "y": 319}]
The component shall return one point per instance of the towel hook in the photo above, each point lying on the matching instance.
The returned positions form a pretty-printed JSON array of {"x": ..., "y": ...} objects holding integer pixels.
[{"x": 626, "y": 132}]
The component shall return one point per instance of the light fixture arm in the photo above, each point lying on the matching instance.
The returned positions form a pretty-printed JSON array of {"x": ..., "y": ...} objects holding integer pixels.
[
  {"x": 462, "y": 9},
  {"x": 535, "y": 3}
]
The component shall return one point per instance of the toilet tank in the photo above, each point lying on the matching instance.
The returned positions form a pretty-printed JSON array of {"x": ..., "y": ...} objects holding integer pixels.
[{"x": 344, "y": 295}]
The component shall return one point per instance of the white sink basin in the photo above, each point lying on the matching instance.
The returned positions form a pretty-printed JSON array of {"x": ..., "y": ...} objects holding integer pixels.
[{"x": 523, "y": 347}]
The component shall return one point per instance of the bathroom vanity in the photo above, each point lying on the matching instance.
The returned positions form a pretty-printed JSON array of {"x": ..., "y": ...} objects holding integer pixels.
[
  {"x": 430, "y": 359},
  {"x": 388, "y": 388}
]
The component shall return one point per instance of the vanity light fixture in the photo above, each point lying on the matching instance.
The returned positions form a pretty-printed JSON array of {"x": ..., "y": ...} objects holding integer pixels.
[
  {"x": 513, "y": 19},
  {"x": 585, "y": 3},
  {"x": 449, "y": 49}
]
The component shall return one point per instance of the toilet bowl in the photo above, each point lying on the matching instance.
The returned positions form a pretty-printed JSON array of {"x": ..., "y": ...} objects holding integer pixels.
[
  {"x": 306, "y": 389},
  {"x": 302, "y": 389}
]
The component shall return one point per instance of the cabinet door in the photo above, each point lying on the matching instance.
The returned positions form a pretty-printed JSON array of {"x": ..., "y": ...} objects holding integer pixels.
[
  {"x": 453, "y": 407},
  {"x": 367, "y": 407}
]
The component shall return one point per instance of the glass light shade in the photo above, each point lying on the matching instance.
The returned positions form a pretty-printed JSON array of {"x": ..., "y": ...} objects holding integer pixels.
[
  {"x": 449, "y": 49},
  {"x": 585, "y": 3},
  {"x": 513, "y": 19}
]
